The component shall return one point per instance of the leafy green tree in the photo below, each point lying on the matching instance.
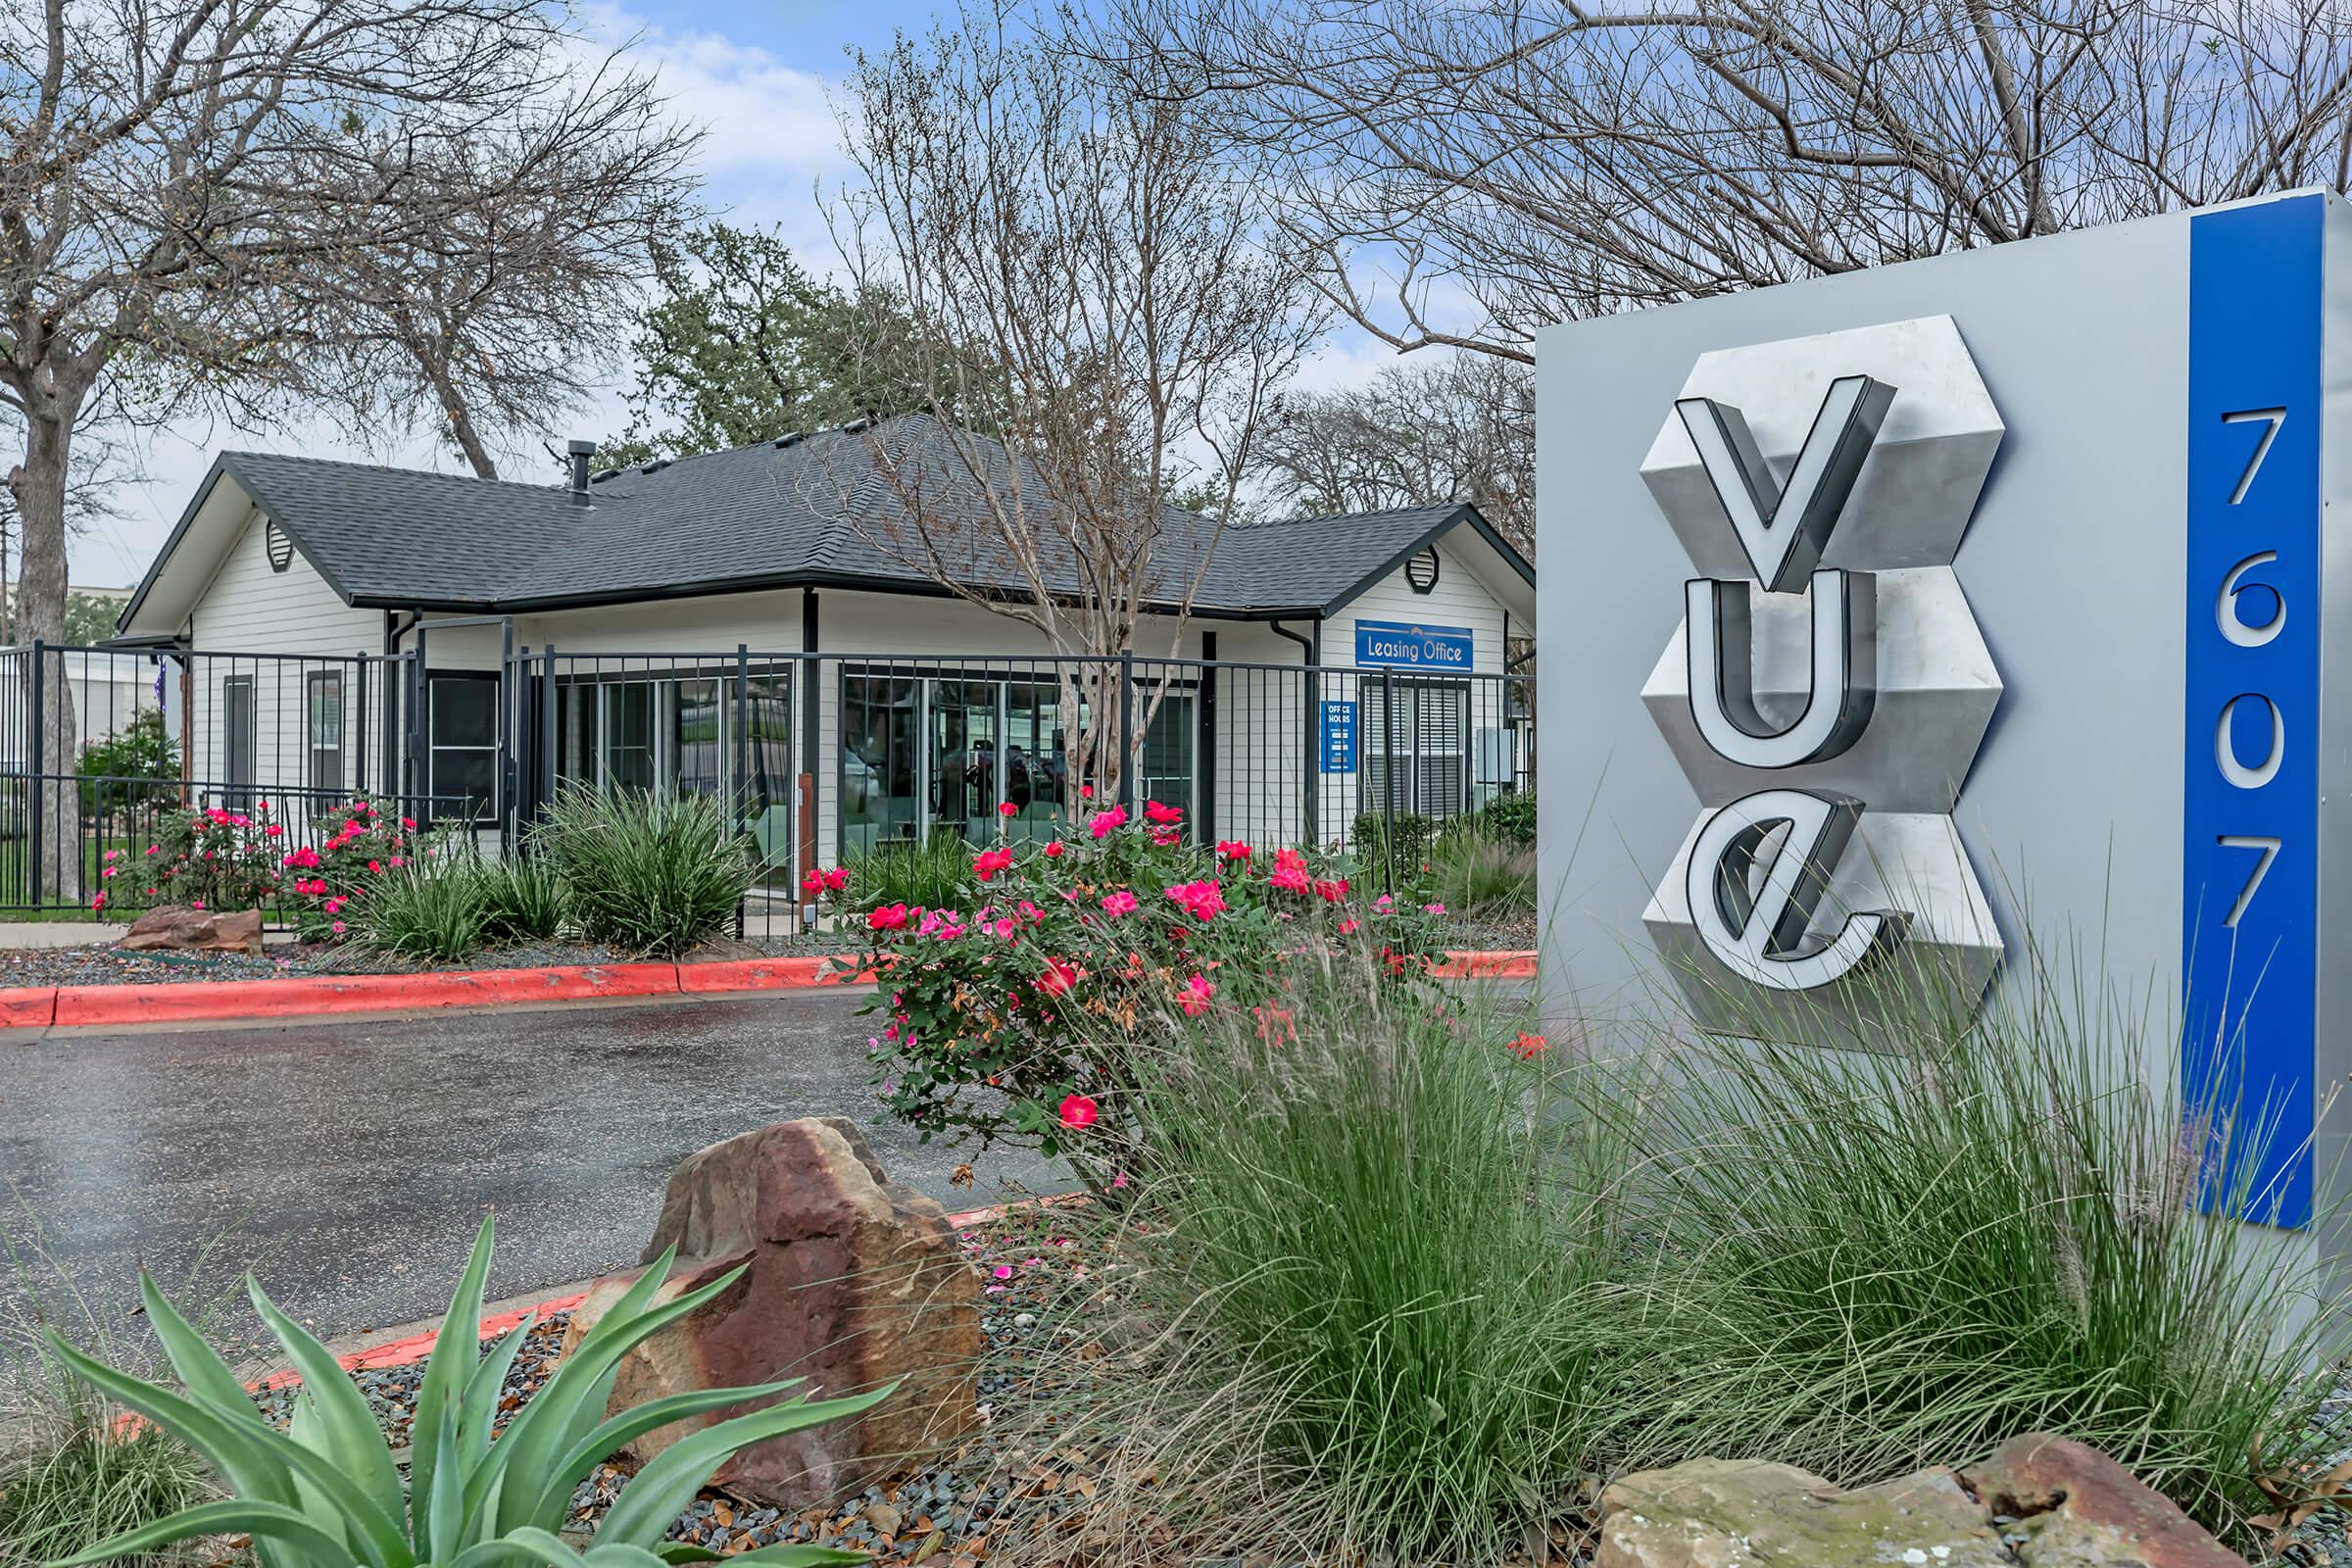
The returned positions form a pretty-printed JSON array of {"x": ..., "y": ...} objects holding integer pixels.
[{"x": 745, "y": 345}]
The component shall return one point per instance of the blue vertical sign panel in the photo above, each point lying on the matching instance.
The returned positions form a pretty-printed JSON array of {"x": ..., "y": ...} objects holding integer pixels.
[
  {"x": 1338, "y": 737},
  {"x": 2250, "y": 808}
]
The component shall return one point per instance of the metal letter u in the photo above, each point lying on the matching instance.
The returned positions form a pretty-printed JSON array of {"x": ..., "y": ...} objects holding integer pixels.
[{"x": 1843, "y": 608}]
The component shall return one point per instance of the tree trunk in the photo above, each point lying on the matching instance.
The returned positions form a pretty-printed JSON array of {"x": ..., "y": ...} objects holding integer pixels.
[
  {"x": 38, "y": 484},
  {"x": 461, "y": 419}
]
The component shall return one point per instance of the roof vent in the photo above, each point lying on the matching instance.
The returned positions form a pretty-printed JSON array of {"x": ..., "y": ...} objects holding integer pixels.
[
  {"x": 790, "y": 438},
  {"x": 855, "y": 426},
  {"x": 579, "y": 452},
  {"x": 609, "y": 473},
  {"x": 281, "y": 548},
  {"x": 655, "y": 467}
]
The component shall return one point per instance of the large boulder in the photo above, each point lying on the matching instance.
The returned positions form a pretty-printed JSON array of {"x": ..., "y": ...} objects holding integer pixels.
[
  {"x": 2078, "y": 1508},
  {"x": 2040, "y": 1502},
  {"x": 852, "y": 1282},
  {"x": 179, "y": 928},
  {"x": 1714, "y": 1513}
]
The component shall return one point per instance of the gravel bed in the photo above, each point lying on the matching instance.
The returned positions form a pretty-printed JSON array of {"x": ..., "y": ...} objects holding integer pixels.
[
  {"x": 966, "y": 1508},
  {"x": 103, "y": 963}
]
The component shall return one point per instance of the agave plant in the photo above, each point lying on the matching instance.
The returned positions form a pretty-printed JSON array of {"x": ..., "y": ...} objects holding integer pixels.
[{"x": 326, "y": 1493}]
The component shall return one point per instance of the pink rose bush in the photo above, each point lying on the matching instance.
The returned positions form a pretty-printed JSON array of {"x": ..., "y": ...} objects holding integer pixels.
[
  {"x": 1081, "y": 960},
  {"x": 216, "y": 858}
]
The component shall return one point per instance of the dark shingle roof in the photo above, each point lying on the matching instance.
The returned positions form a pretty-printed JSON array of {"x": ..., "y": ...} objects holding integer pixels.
[{"x": 773, "y": 514}]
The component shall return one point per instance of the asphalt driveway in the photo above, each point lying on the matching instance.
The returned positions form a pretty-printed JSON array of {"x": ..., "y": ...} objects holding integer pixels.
[{"x": 348, "y": 1163}]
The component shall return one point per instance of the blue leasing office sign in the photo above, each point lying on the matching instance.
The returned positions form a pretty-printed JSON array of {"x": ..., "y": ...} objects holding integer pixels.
[
  {"x": 1392, "y": 642},
  {"x": 1338, "y": 737}
]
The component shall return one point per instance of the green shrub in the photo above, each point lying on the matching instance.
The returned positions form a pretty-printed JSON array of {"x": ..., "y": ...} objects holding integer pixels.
[
  {"x": 432, "y": 911},
  {"x": 1393, "y": 845},
  {"x": 521, "y": 899},
  {"x": 658, "y": 874},
  {"x": 935, "y": 874},
  {"x": 135, "y": 770},
  {"x": 1510, "y": 818},
  {"x": 1381, "y": 1243},
  {"x": 1888, "y": 1259},
  {"x": 1481, "y": 877},
  {"x": 327, "y": 1492}
]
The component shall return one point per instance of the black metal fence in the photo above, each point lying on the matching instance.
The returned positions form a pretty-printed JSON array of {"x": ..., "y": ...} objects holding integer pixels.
[
  {"x": 135, "y": 737},
  {"x": 824, "y": 757}
]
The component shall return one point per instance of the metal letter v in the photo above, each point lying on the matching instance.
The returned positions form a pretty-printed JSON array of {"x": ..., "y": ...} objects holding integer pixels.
[{"x": 1785, "y": 529}]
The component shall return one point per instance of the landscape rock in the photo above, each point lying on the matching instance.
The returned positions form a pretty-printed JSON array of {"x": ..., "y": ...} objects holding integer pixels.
[
  {"x": 179, "y": 928},
  {"x": 852, "y": 1282},
  {"x": 2040, "y": 1502},
  {"x": 2078, "y": 1508},
  {"x": 1718, "y": 1513}
]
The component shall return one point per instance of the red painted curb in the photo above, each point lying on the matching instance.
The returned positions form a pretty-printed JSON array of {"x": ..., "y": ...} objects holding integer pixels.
[
  {"x": 310, "y": 995},
  {"x": 1519, "y": 965},
  {"x": 27, "y": 1006},
  {"x": 305, "y": 996},
  {"x": 766, "y": 974}
]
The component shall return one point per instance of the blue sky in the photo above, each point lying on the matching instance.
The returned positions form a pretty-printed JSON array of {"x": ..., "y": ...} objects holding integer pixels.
[{"x": 755, "y": 77}]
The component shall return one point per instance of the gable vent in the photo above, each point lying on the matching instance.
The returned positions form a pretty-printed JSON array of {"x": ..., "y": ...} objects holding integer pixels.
[
  {"x": 1422, "y": 570},
  {"x": 281, "y": 548}
]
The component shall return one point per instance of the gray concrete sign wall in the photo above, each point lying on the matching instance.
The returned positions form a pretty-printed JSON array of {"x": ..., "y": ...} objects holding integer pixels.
[{"x": 2098, "y": 673}]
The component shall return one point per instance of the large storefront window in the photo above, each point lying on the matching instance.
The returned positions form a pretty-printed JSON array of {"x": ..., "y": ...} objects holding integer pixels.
[
  {"x": 680, "y": 733},
  {"x": 922, "y": 755}
]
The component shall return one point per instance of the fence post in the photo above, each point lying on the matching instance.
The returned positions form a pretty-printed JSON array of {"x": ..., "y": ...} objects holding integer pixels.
[
  {"x": 38, "y": 745},
  {"x": 544, "y": 776},
  {"x": 1388, "y": 780},
  {"x": 501, "y": 777},
  {"x": 359, "y": 712},
  {"x": 1127, "y": 750},
  {"x": 739, "y": 793},
  {"x": 414, "y": 778}
]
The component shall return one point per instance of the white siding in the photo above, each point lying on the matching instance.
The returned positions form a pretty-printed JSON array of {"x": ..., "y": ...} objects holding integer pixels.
[
  {"x": 247, "y": 611},
  {"x": 1266, "y": 750}
]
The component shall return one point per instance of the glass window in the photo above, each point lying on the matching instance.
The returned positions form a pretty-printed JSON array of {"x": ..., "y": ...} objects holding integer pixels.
[
  {"x": 629, "y": 730},
  {"x": 1416, "y": 747},
  {"x": 964, "y": 757},
  {"x": 879, "y": 801},
  {"x": 1164, "y": 760},
  {"x": 1036, "y": 756},
  {"x": 237, "y": 737},
  {"x": 323, "y": 723},
  {"x": 576, "y": 734},
  {"x": 698, "y": 735}
]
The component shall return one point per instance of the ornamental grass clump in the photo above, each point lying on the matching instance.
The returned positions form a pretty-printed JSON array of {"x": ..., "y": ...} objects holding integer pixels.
[
  {"x": 1881, "y": 1260},
  {"x": 1480, "y": 876},
  {"x": 521, "y": 899},
  {"x": 484, "y": 1486},
  {"x": 70, "y": 1471},
  {"x": 1378, "y": 1234},
  {"x": 430, "y": 910},
  {"x": 645, "y": 871}
]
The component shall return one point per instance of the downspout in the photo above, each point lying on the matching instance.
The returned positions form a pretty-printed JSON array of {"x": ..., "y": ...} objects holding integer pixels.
[{"x": 1310, "y": 646}]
